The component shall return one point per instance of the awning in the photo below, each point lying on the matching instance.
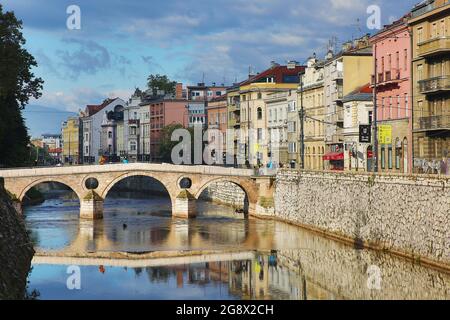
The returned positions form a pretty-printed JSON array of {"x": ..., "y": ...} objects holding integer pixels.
[
  {"x": 334, "y": 156},
  {"x": 370, "y": 154}
]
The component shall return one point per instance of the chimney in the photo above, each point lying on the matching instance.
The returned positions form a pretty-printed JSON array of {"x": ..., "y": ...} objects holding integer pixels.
[{"x": 179, "y": 91}]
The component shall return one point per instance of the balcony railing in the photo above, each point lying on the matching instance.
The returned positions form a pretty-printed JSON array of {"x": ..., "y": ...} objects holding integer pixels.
[
  {"x": 434, "y": 85},
  {"x": 392, "y": 75},
  {"x": 434, "y": 46},
  {"x": 441, "y": 122},
  {"x": 338, "y": 75},
  {"x": 337, "y": 96}
]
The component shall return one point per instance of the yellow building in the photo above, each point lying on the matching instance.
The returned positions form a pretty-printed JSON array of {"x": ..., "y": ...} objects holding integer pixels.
[
  {"x": 254, "y": 137},
  {"x": 430, "y": 26},
  {"x": 314, "y": 109},
  {"x": 70, "y": 140}
]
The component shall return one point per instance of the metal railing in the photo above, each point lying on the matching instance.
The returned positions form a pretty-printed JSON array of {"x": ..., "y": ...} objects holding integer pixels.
[
  {"x": 434, "y": 84},
  {"x": 435, "y": 122},
  {"x": 434, "y": 46}
]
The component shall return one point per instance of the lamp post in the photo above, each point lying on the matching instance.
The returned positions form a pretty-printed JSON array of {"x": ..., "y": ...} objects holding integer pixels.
[{"x": 302, "y": 123}]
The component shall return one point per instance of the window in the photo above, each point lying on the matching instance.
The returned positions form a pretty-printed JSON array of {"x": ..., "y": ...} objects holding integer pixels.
[
  {"x": 244, "y": 98},
  {"x": 405, "y": 59},
  {"x": 292, "y": 126},
  {"x": 292, "y": 106},
  {"x": 260, "y": 134},
  {"x": 133, "y": 146},
  {"x": 370, "y": 117},
  {"x": 419, "y": 35},
  {"x": 406, "y": 105},
  {"x": 398, "y": 153},
  {"x": 383, "y": 157},
  {"x": 292, "y": 147},
  {"x": 420, "y": 72},
  {"x": 390, "y": 157},
  {"x": 109, "y": 134},
  {"x": 259, "y": 114}
]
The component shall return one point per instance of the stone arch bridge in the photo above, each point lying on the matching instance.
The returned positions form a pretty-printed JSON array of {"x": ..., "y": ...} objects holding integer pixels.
[{"x": 259, "y": 189}]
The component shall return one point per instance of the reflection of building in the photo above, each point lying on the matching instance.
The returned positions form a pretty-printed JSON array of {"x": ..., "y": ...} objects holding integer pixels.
[
  {"x": 70, "y": 141},
  {"x": 430, "y": 24},
  {"x": 358, "y": 109}
]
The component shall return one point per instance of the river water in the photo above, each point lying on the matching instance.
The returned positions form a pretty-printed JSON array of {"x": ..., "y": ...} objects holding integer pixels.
[{"x": 138, "y": 251}]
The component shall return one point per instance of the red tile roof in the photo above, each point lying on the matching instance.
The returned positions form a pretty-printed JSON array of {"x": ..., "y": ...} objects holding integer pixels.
[
  {"x": 278, "y": 72},
  {"x": 92, "y": 109}
]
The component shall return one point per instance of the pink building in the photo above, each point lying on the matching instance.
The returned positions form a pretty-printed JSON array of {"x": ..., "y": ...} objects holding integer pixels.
[
  {"x": 164, "y": 112},
  {"x": 392, "y": 50}
]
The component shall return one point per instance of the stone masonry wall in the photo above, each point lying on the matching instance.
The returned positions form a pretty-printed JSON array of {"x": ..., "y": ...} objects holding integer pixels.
[
  {"x": 405, "y": 214},
  {"x": 16, "y": 250},
  {"x": 226, "y": 193}
]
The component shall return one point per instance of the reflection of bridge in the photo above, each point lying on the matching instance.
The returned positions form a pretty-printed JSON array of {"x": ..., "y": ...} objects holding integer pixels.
[
  {"x": 113, "y": 261},
  {"x": 178, "y": 235},
  {"x": 91, "y": 195}
]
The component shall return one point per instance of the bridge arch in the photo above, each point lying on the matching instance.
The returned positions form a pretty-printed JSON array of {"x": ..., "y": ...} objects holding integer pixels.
[
  {"x": 49, "y": 180},
  {"x": 157, "y": 177},
  {"x": 249, "y": 188}
]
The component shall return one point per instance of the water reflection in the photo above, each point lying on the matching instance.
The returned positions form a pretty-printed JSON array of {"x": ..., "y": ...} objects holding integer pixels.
[{"x": 234, "y": 258}]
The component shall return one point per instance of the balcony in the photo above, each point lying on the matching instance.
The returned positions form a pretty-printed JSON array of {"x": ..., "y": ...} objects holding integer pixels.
[
  {"x": 435, "y": 85},
  {"x": 434, "y": 47},
  {"x": 440, "y": 122},
  {"x": 337, "y": 75},
  {"x": 134, "y": 122},
  {"x": 392, "y": 75},
  {"x": 337, "y": 96}
]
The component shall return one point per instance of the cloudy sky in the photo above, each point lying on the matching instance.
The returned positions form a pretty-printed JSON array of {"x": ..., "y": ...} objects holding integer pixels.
[{"x": 121, "y": 42}]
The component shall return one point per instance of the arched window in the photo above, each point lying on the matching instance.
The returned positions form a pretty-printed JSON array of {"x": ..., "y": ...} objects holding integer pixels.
[
  {"x": 398, "y": 153},
  {"x": 259, "y": 113},
  {"x": 405, "y": 155}
]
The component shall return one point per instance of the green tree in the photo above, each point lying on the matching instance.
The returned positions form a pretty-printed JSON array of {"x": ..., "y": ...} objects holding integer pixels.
[
  {"x": 161, "y": 82},
  {"x": 17, "y": 85},
  {"x": 166, "y": 146}
]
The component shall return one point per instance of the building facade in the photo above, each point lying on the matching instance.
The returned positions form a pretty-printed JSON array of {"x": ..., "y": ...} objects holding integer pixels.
[
  {"x": 234, "y": 125},
  {"x": 277, "y": 106},
  {"x": 253, "y": 135},
  {"x": 311, "y": 96},
  {"x": 218, "y": 125},
  {"x": 392, "y": 51},
  {"x": 91, "y": 128},
  {"x": 70, "y": 141},
  {"x": 358, "y": 110},
  {"x": 344, "y": 73},
  {"x": 430, "y": 27}
]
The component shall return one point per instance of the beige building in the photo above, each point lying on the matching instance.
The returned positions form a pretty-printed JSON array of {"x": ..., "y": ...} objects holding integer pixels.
[
  {"x": 253, "y": 136},
  {"x": 312, "y": 92},
  {"x": 430, "y": 26},
  {"x": 277, "y": 106}
]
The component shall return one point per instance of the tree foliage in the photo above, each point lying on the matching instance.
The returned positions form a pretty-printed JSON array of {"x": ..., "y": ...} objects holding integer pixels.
[
  {"x": 17, "y": 85},
  {"x": 161, "y": 82}
]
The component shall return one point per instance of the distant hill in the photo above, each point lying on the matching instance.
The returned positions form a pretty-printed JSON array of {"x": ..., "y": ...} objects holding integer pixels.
[{"x": 40, "y": 119}]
